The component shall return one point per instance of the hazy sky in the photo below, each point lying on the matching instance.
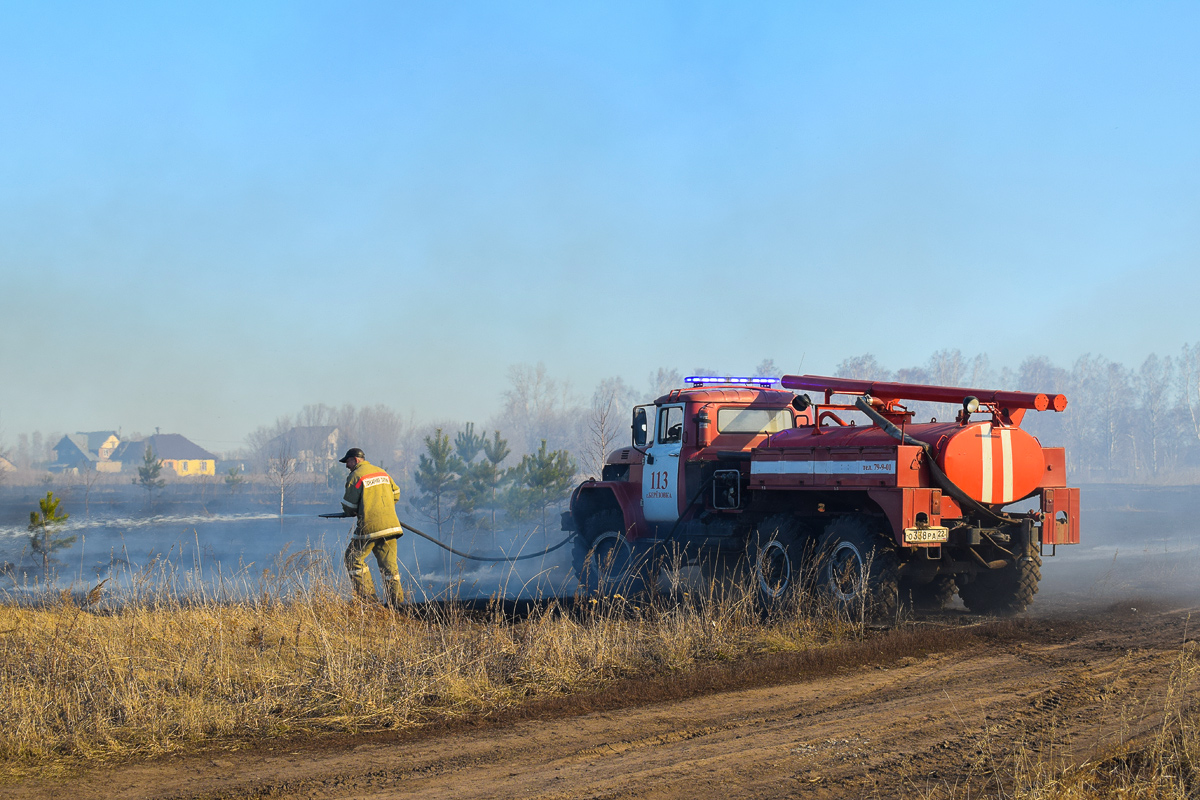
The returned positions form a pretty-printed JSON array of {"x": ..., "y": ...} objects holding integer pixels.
[{"x": 212, "y": 214}]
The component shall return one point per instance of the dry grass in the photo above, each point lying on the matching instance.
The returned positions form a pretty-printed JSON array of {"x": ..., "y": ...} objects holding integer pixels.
[
  {"x": 1161, "y": 764},
  {"x": 165, "y": 664}
]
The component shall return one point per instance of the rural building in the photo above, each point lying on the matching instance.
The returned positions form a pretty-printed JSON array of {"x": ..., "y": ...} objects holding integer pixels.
[
  {"x": 183, "y": 457},
  {"x": 83, "y": 450},
  {"x": 315, "y": 447}
]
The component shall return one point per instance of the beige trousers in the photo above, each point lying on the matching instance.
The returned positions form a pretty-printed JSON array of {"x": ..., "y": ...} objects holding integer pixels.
[{"x": 360, "y": 575}]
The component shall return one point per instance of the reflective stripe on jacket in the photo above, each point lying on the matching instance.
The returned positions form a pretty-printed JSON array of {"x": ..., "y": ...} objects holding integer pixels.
[{"x": 372, "y": 495}]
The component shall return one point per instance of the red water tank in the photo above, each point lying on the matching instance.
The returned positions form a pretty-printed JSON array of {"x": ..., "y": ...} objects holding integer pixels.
[{"x": 992, "y": 464}]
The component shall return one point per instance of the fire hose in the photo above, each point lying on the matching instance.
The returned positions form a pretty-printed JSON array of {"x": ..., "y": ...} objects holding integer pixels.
[{"x": 444, "y": 546}]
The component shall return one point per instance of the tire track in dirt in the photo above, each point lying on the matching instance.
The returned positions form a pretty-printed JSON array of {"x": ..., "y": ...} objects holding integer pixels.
[{"x": 885, "y": 730}]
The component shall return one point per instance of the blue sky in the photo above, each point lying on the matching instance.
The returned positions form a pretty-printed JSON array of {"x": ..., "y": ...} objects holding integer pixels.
[{"x": 212, "y": 214}]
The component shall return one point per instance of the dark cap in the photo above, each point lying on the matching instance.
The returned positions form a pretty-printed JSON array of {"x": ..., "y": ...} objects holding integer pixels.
[{"x": 353, "y": 452}]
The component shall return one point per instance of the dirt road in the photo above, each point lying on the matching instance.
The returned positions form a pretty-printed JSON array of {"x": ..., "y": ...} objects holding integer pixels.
[{"x": 893, "y": 728}]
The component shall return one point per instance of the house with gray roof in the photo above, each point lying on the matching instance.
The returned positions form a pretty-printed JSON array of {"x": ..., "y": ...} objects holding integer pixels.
[
  {"x": 86, "y": 450},
  {"x": 177, "y": 453}
]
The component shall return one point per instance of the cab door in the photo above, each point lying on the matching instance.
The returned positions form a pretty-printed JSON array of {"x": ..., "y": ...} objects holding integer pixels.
[{"x": 661, "y": 472}]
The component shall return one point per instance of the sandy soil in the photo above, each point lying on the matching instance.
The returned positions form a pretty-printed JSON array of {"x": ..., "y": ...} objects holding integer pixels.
[{"x": 1072, "y": 683}]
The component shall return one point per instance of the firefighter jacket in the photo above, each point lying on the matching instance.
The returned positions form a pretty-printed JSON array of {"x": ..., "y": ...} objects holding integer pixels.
[{"x": 372, "y": 495}]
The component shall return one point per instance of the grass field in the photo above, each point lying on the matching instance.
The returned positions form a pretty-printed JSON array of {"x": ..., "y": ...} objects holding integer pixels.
[{"x": 153, "y": 669}]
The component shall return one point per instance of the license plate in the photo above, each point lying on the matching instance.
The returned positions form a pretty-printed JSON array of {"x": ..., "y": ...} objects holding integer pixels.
[{"x": 923, "y": 535}]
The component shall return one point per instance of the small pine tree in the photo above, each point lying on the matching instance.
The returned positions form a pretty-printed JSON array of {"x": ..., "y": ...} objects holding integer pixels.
[
  {"x": 471, "y": 490},
  {"x": 42, "y": 538},
  {"x": 234, "y": 479},
  {"x": 549, "y": 477},
  {"x": 467, "y": 443},
  {"x": 491, "y": 476},
  {"x": 148, "y": 475},
  {"x": 437, "y": 478}
]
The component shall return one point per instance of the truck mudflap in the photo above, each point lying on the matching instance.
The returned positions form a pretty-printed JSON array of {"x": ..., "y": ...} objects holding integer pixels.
[
  {"x": 914, "y": 514},
  {"x": 1060, "y": 516}
]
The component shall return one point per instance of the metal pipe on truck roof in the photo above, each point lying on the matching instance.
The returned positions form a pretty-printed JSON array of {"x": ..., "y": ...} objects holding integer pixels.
[{"x": 929, "y": 394}]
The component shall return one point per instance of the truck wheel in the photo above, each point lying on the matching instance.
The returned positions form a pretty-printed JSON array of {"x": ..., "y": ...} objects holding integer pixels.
[
  {"x": 1009, "y": 590},
  {"x": 857, "y": 569},
  {"x": 932, "y": 596},
  {"x": 604, "y": 560},
  {"x": 773, "y": 565}
]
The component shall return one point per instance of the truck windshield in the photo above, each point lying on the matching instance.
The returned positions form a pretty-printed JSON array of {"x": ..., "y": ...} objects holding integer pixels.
[{"x": 753, "y": 420}]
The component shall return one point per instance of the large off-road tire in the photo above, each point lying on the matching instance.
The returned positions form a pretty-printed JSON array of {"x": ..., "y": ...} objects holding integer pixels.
[
  {"x": 1009, "y": 590},
  {"x": 857, "y": 569},
  {"x": 932, "y": 596},
  {"x": 605, "y": 562},
  {"x": 774, "y": 561}
]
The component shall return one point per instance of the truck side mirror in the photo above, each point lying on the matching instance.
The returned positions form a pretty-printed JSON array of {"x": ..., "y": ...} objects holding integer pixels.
[{"x": 639, "y": 427}]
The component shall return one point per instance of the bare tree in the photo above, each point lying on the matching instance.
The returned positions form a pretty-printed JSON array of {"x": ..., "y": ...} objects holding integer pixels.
[
  {"x": 1153, "y": 381},
  {"x": 203, "y": 491},
  {"x": 602, "y": 427},
  {"x": 767, "y": 369},
  {"x": 4, "y": 454},
  {"x": 1101, "y": 436},
  {"x": 979, "y": 372},
  {"x": 24, "y": 461},
  {"x": 662, "y": 381},
  {"x": 281, "y": 469},
  {"x": 316, "y": 416},
  {"x": 264, "y": 441},
  {"x": 537, "y": 407},
  {"x": 1189, "y": 384},
  {"x": 88, "y": 475},
  {"x": 946, "y": 368},
  {"x": 378, "y": 431},
  {"x": 862, "y": 368}
]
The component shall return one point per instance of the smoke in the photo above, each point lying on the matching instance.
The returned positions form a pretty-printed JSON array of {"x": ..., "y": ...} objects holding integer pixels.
[
  {"x": 435, "y": 574},
  {"x": 1136, "y": 542}
]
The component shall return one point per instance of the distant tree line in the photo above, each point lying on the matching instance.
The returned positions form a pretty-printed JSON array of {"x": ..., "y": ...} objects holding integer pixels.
[{"x": 1123, "y": 424}]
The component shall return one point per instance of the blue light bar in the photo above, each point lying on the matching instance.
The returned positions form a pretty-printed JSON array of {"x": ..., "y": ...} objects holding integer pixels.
[{"x": 709, "y": 380}]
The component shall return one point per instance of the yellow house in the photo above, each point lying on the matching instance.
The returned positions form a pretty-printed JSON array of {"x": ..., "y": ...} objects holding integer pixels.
[
  {"x": 183, "y": 457},
  {"x": 186, "y": 467}
]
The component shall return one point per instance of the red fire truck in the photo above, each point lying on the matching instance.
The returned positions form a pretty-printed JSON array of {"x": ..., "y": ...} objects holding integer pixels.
[{"x": 870, "y": 505}]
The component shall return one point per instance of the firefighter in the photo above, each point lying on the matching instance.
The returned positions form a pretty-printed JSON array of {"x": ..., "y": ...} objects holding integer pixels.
[{"x": 371, "y": 496}]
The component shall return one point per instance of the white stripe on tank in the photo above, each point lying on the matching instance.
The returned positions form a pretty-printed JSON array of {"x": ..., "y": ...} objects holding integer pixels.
[{"x": 985, "y": 447}]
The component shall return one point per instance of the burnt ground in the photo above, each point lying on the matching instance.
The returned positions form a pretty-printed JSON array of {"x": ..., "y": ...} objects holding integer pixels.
[{"x": 946, "y": 706}]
